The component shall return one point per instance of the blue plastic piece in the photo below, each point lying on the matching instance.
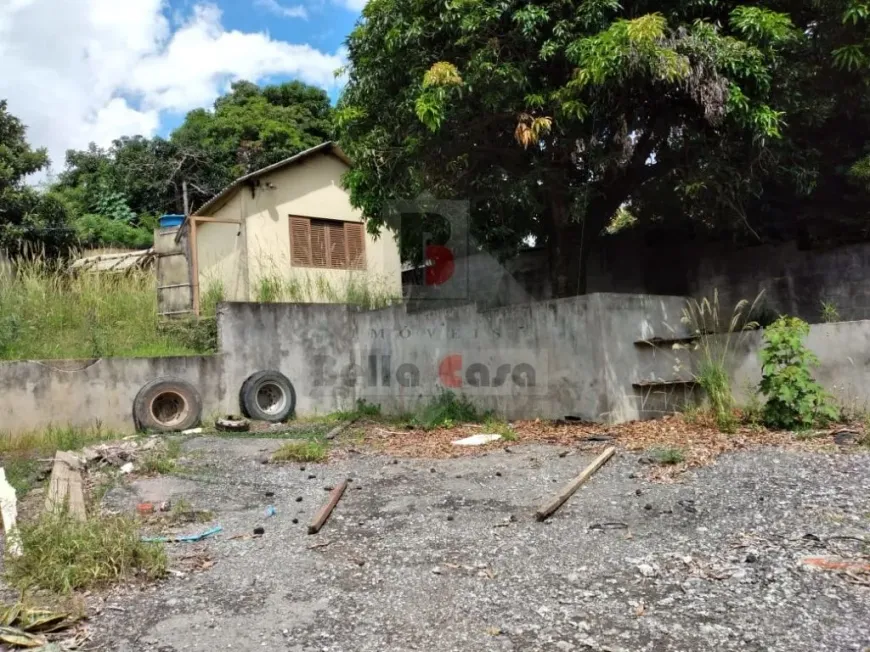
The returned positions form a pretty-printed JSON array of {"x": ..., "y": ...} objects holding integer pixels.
[
  {"x": 185, "y": 538},
  {"x": 169, "y": 221},
  {"x": 270, "y": 511}
]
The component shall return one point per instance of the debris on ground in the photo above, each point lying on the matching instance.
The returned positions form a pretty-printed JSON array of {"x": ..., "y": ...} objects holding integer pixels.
[
  {"x": 700, "y": 442},
  {"x": 9, "y": 511},
  {"x": 120, "y": 454},
  {"x": 65, "y": 490},
  {"x": 477, "y": 440},
  {"x": 25, "y": 627},
  {"x": 184, "y": 538},
  {"x": 335, "y": 432},
  {"x": 568, "y": 490},
  {"x": 233, "y": 423},
  {"x": 323, "y": 513}
]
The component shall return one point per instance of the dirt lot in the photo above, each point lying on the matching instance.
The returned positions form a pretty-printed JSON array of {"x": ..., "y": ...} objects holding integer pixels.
[{"x": 445, "y": 554}]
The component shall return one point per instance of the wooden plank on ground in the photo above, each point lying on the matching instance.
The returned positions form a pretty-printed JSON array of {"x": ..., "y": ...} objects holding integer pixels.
[
  {"x": 324, "y": 512},
  {"x": 565, "y": 493},
  {"x": 65, "y": 488}
]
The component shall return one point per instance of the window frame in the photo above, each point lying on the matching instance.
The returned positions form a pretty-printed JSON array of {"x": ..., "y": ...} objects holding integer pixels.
[{"x": 348, "y": 228}]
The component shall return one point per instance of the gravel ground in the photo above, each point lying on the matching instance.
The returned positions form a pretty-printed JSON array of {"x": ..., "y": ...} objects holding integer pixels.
[{"x": 446, "y": 555}]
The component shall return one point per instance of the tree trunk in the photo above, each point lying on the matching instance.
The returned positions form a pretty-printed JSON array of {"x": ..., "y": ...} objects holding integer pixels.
[{"x": 571, "y": 242}]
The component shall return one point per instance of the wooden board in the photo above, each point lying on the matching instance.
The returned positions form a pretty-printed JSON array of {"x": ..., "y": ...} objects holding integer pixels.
[
  {"x": 65, "y": 488},
  {"x": 324, "y": 512},
  {"x": 565, "y": 493}
]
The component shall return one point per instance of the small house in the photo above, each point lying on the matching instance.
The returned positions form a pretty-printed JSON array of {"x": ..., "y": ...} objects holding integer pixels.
[{"x": 287, "y": 232}]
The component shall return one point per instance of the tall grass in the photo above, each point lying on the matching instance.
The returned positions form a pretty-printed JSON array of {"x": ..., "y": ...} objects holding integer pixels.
[
  {"x": 53, "y": 438},
  {"x": 716, "y": 341},
  {"x": 62, "y": 554},
  {"x": 46, "y": 312},
  {"x": 273, "y": 284}
]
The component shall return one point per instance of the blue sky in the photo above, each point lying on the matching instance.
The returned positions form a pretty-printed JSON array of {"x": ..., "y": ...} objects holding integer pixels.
[
  {"x": 82, "y": 71},
  {"x": 320, "y": 23}
]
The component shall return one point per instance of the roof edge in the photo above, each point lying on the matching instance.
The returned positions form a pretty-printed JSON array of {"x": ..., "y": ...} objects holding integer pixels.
[{"x": 328, "y": 147}]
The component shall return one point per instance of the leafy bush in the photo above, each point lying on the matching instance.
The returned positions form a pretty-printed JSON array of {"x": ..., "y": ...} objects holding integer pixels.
[
  {"x": 447, "y": 410},
  {"x": 794, "y": 398}
]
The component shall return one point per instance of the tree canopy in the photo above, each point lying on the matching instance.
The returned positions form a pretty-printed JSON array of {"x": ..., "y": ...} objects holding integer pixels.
[
  {"x": 113, "y": 196},
  {"x": 28, "y": 219},
  {"x": 552, "y": 117}
]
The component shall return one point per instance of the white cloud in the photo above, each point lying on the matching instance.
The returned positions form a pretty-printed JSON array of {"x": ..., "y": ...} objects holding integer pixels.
[
  {"x": 273, "y": 6},
  {"x": 353, "y": 5},
  {"x": 93, "y": 70}
]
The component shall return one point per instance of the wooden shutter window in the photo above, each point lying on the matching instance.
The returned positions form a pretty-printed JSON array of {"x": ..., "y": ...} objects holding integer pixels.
[
  {"x": 337, "y": 245},
  {"x": 300, "y": 242},
  {"x": 327, "y": 244},
  {"x": 355, "y": 236},
  {"x": 319, "y": 249}
]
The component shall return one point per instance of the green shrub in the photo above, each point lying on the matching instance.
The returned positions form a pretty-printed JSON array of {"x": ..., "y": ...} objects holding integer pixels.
[
  {"x": 447, "y": 410},
  {"x": 667, "y": 455},
  {"x": 62, "y": 554},
  {"x": 794, "y": 399},
  {"x": 499, "y": 427},
  {"x": 830, "y": 314}
]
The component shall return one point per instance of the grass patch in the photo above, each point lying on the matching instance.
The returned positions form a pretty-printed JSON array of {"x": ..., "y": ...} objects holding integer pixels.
[
  {"x": 667, "y": 455},
  {"x": 446, "y": 411},
  {"x": 499, "y": 427},
  {"x": 53, "y": 438},
  {"x": 163, "y": 462},
  {"x": 311, "y": 450},
  {"x": 22, "y": 474},
  {"x": 62, "y": 554}
]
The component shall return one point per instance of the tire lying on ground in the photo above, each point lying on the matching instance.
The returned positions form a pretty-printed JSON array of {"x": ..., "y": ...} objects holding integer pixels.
[
  {"x": 232, "y": 423},
  {"x": 167, "y": 405},
  {"x": 267, "y": 396}
]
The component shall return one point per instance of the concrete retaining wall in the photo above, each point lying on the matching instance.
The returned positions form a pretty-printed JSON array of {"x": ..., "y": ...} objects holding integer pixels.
[
  {"x": 602, "y": 357},
  {"x": 37, "y": 394},
  {"x": 573, "y": 356}
]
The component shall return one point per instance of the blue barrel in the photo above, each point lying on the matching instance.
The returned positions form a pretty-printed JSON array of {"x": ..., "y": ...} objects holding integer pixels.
[{"x": 169, "y": 221}]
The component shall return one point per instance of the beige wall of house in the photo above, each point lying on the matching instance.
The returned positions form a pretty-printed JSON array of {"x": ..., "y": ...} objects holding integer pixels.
[{"x": 252, "y": 259}]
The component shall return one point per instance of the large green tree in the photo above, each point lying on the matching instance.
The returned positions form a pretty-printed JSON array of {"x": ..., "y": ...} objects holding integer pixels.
[
  {"x": 553, "y": 116},
  {"x": 116, "y": 193},
  {"x": 30, "y": 222}
]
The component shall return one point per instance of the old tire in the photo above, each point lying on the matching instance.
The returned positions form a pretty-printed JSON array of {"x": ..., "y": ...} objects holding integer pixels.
[
  {"x": 268, "y": 396},
  {"x": 167, "y": 405},
  {"x": 232, "y": 423}
]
